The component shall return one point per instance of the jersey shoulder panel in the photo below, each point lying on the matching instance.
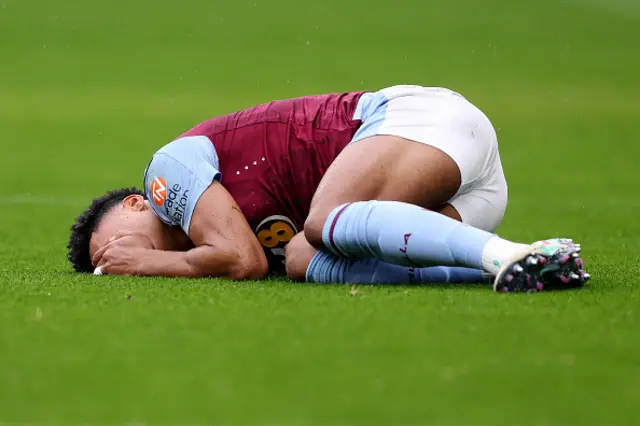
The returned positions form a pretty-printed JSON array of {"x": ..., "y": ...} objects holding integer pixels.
[{"x": 177, "y": 176}]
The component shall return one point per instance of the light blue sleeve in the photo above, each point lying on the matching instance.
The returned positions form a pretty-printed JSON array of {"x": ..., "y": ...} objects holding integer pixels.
[{"x": 177, "y": 176}]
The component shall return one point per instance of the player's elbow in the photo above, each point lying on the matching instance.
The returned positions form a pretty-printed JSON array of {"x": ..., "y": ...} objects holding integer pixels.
[
  {"x": 250, "y": 266},
  {"x": 249, "y": 271}
]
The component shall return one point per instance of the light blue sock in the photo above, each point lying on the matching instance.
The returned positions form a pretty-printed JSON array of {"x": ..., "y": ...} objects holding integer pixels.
[
  {"x": 327, "y": 268},
  {"x": 403, "y": 234}
]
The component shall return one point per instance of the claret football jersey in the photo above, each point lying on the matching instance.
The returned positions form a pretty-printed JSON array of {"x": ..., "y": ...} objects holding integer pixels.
[{"x": 270, "y": 158}]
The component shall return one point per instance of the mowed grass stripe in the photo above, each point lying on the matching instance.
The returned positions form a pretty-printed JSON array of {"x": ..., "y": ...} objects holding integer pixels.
[{"x": 70, "y": 105}]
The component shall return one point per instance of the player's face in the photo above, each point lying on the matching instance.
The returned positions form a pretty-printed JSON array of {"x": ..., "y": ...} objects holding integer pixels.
[{"x": 133, "y": 215}]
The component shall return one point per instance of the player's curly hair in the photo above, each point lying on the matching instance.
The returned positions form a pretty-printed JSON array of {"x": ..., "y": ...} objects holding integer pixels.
[{"x": 87, "y": 223}]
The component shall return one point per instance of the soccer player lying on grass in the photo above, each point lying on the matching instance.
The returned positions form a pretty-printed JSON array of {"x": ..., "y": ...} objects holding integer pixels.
[{"x": 359, "y": 187}]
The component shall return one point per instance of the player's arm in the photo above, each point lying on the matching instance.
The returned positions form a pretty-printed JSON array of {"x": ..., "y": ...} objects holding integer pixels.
[
  {"x": 225, "y": 246},
  {"x": 183, "y": 188}
]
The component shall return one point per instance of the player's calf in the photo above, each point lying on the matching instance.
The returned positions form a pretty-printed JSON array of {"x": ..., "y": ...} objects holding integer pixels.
[{"x": 305, "y": 263}]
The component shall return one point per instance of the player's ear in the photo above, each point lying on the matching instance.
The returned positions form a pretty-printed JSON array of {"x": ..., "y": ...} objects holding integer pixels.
[{"x": 134, "y": 202}]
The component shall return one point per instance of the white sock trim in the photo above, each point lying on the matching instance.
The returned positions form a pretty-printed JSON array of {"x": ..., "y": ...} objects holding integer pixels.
[{"x": 497, "y": 251}]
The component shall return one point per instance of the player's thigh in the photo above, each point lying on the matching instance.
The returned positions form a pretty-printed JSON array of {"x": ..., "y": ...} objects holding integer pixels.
[
  {"x": 298, "y": 255},
  {"x": 383, "y": 168},
  {"x": 436, "y": 145}
]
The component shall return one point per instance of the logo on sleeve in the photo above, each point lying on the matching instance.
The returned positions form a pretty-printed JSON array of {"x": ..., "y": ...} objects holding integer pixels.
[
  {"x": 159, "y": 191},
  {"x": 176, "y": 203}
]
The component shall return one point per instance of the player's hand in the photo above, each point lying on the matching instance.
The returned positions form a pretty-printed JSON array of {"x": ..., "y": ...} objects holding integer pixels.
[{"x": 123, "y": 254}]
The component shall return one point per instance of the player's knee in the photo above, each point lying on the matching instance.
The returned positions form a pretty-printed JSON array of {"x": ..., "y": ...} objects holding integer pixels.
[
  {"x": 313, "y": 227},
  {"x": 298, "y": 254}
]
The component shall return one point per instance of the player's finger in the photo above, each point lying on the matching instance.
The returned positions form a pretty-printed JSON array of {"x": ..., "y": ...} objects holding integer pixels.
[
  {"x": 120, "y": 234},
  {"x": 105, "y": 269},
  {"x": 97, "y": 256}
]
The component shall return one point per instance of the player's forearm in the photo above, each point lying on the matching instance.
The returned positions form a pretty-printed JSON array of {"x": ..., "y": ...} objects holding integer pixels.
[
  {"x": 203, "y": 261},
  {"x": 165, "y": 264},
  {"x": 227, "y": 261}
]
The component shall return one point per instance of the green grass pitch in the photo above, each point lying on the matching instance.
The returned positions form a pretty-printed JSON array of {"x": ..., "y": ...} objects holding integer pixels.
[{"x": 89, "y": 90}]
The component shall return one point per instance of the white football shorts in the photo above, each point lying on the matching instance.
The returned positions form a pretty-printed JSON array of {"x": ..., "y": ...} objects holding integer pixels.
[{"x": 447, "y": 121}]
